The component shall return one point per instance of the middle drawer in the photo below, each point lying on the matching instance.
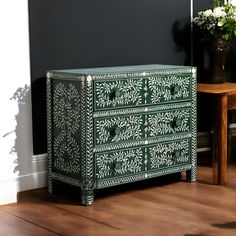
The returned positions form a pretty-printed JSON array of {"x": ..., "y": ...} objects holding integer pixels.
[{"x": 141, "y": 126}]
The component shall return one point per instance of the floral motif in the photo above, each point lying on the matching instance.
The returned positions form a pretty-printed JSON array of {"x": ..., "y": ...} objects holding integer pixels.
[
  {"x": 169, "y": 88},
  {"x": 129, "y": 93},
  {"x": 66, "y": 116},
  {"x": 141, "y": 91},
  {"x": 129, "y": 127},
  {"x": 169, "y": 154},
  {"x": 163, "y": 123},
  {"x": 120, "y": 162},
  {"x": 136, "y": 127}
]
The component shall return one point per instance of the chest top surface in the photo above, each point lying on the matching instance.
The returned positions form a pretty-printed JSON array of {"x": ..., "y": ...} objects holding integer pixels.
[{"x": 136, "y": 69}]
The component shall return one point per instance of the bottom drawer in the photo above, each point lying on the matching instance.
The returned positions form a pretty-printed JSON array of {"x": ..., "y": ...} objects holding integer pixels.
[
  {"x": 164, "y": 155},
  {"x": 143, "y": 159}
]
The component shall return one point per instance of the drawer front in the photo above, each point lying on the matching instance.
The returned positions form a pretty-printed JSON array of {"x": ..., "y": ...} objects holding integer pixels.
[
  {"x": 111, "y": 94},
  {"x": 142, "y": 126},
  {"x": 142, "y": 159},
  {"x": 118, "y": 93},
  {"x": 164, "y": 155},
  {"x": 169, "y": 88},
  {"x": 119, "y": 163}
]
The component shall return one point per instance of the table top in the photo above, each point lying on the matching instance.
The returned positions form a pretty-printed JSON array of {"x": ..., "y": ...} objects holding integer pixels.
[{"x": 223, "y": 88}]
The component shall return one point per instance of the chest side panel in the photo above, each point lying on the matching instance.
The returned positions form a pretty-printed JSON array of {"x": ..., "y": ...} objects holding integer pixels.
[{"x": 66, "y": 128}]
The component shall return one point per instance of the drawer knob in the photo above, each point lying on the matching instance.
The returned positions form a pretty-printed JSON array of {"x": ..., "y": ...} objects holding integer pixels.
[
  {"x": 115, "y": 94},
  {"x": 118, "y": 165},
  {"x": 176, "y": 123},
  {"x": 176, "y": 154},
  {"x": 174, "y": 90},
  {"x": 115, "y": 131}
]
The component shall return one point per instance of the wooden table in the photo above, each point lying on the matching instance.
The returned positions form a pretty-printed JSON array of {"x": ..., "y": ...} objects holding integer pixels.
[{"x": 225, "y": 97}]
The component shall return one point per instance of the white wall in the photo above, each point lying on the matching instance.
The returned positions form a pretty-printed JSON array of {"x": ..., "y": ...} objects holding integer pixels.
[{"x": 19, "y": 170}]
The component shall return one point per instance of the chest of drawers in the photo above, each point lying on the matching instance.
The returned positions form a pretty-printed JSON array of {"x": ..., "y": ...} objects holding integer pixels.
[{"x": 115, "y": 125}]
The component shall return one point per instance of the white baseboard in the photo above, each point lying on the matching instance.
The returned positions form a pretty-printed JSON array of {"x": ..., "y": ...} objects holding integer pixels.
[
  {"x": 232, "y": 126},
  {"x": 37, "y": 179}
]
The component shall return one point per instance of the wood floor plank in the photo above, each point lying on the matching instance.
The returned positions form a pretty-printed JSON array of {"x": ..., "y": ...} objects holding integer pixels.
[
  {"x": 60, "y": 221},
  {"x": 11, "y": 225},
  {"x": 177, "y": 208}
]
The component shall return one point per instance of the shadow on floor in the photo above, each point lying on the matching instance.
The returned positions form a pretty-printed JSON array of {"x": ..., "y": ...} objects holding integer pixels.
[
  {"x": 68, "y": 194},
  {"x": 228, "y": 225}
]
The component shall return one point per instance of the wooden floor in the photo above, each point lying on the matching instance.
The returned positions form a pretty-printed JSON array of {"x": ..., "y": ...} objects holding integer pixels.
[{"x": 148, "y": 208}]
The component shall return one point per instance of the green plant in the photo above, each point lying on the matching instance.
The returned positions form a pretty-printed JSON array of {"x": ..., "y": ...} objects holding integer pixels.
[{"x": 217, "y": 22}]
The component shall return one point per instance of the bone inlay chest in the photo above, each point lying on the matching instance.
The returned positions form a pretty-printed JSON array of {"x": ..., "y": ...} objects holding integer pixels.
[{"x": 115, "y": 125}]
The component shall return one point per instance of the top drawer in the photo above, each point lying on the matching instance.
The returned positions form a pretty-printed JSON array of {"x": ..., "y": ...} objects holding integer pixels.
[{"x": 132, "y": 92}]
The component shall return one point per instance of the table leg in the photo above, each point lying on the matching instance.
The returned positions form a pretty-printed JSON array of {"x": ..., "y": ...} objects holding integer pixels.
[{"x": 220, "y": 141}]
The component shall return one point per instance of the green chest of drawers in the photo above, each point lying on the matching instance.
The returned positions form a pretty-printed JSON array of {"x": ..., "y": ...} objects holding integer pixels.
[{"x": 115, "y": 125}]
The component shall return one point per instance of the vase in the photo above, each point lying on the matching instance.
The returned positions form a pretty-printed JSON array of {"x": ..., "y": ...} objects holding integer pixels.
[{"x": 218, "y": 51}]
